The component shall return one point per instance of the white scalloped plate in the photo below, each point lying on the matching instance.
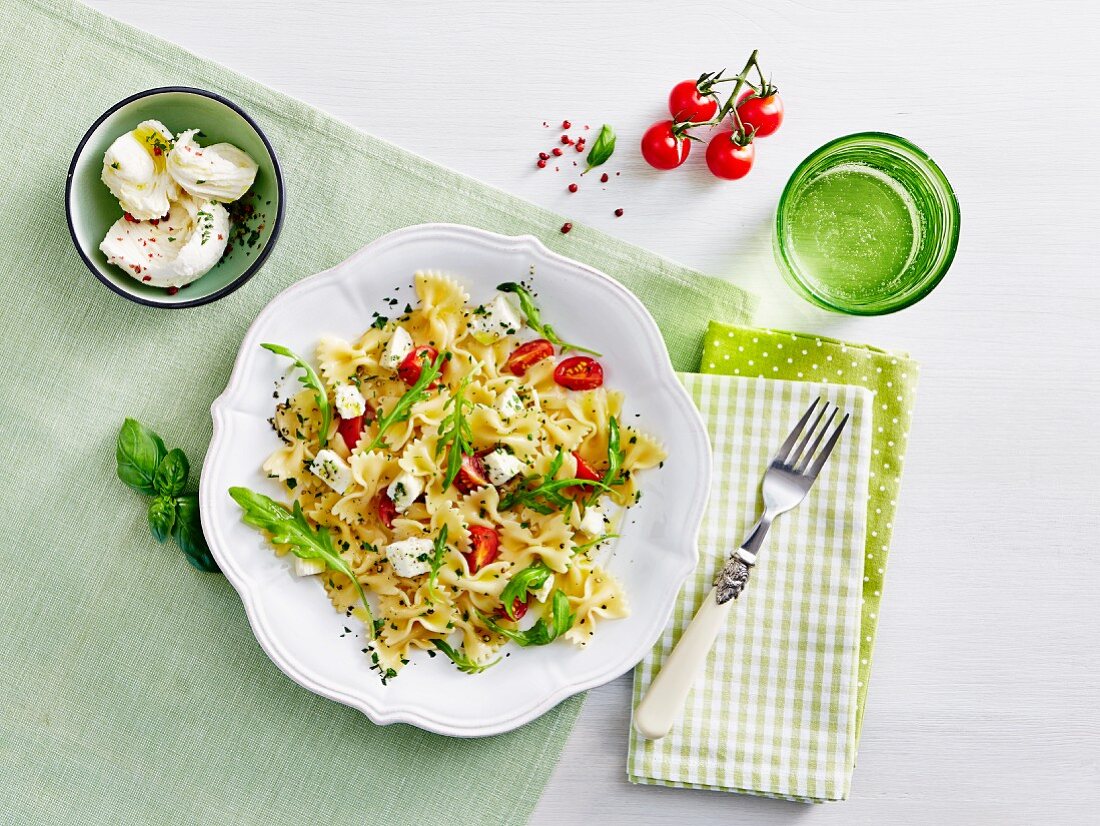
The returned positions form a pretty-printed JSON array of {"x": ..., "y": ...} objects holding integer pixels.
[{"x": 291, "y": 617}]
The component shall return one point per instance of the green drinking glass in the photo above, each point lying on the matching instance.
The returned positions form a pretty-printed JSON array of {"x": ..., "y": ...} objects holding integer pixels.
[{"x": 867, "y": 225}]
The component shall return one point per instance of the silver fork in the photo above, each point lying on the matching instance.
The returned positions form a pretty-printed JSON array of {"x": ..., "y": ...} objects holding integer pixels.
[{"x": 789, "y": 477}]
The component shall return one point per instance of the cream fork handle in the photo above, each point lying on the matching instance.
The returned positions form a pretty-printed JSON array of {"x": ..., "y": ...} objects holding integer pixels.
[{"x": 664, "y": 701}]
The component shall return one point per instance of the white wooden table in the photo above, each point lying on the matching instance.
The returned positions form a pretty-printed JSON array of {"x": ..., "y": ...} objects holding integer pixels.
[{"x": 985, "y": 700}]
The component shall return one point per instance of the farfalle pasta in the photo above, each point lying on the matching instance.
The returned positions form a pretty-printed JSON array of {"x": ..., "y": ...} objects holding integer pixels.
[{"x": 454, "y": 474}]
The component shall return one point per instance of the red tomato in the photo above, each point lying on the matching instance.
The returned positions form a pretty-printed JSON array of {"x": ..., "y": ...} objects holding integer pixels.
[
  {"x": 686, "y": 103},
  {"x": 350, "y": 430},
  {"x": 727, "y": 158},
  {"x": 526, "y": 355},
  {"x": 584, "y": 470},
  {"x": 662, "y": 148},
  {"x": 471, "y": 474},
  {"x": 579, "y": 373},
  {"x": 519, "y": 608},
  {"x": 386, "y": 510},
  {"x": 410, "y": 367},
  {"x": 764, "y": 114},
  {"x": 484, "y": 547}
]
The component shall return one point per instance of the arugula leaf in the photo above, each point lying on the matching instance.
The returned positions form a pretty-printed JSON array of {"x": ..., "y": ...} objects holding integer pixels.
[
  {"x": 534, "y": 319},
  {"x": 602, "y": 148},
  {"x": 545, "y": 494},
  {"x": 527, "y": 581},
  {"x": 171, "y": 476},
  {"x": 188, "y": 535},
  {"x": 439, "y": 553},
  {"x": 162, "y": 517},
  {"x": 459, "y": 658},
  {"x": 138, "y": 452},
  {"x": 615, "y": 455},
  {"x": 584, "y": 546},
  {"x": 402, "y": 408},
  {"x": 455, "y": 433},
  {"x": 542, "y": 632},
  {"x": 311, "y": 380},
  {"x": 290, "y": 527}
]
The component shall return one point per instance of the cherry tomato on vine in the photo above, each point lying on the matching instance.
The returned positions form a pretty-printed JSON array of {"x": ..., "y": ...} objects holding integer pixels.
[
  {"x": 662, "y": 148},
  {"x": 579, "y": 373},
  {"x": 727, "y": 158},
  {"x": 410, "y": 367},
  {"x": 686, "y": 102},
  {"x": 764, "y": 114}
]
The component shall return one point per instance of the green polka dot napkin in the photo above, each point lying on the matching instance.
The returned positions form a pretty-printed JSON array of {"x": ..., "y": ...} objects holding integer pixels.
[
  {"x": 774, "y": 712},
  {"x": 891, "y": 377}
]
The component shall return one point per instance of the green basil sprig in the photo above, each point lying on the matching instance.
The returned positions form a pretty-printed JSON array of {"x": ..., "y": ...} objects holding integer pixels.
[
  {"x": 144, "y": 464},
  {"x": 459, "y": 658},
  {"x": 602, "y": 148},
  {"x": 526, "y": 582},
  {"x": 290, "y": 527},
  {"x": 311, "y": 380},
  {"x": 534, "y": 318},
  {"x": 542, "y": 632}
]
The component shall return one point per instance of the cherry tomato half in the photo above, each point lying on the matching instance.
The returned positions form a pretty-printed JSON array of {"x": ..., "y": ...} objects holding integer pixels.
[
  {"x": 410, "y": 367},
  {"x": 350, "y": 430},
  {"x": 527, "y": 355},
  {"x": 579, "y": 373},
  {"x": 728, "y": 159},
  {"x": 584, "y": 470},
  {"x": 763, "y": 114},
  {"x": 471, "y": 474},
  {"x": 484, "y": 547},
  {"x": 686, "y": 103},
  {"x": 519, "y": 608},
  {"x": 387, "y": 511},
  {"x": 661, "y": 148}
]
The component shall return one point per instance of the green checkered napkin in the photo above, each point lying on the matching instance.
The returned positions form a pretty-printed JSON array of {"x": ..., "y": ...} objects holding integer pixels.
[
  {"x": 891, "y": 377},
  {"x": 774, "y": 712},
  {"x": 132, "y": 688}
]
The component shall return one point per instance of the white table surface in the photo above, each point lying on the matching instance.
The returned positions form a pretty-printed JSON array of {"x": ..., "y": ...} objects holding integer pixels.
[{"x": 985, "y": 700}]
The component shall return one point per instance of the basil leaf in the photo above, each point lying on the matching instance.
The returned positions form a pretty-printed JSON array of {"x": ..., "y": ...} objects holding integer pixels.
[
  {"x": 171, "y": 476},
  {"x": 310, "y": 379},
  {"x": 534, "y": 318},
  {"x": 162, "y": 517},
  {"x": 526, "y": 582},
  {"x": 290, "y": 527},
  {"x": 138, "y": 453},
  {"x": 542, "y": 632},
  {"x": 459, "y": 658},
  {"x": 602, "y": 149},
  {"x": 188, "y": 535}
]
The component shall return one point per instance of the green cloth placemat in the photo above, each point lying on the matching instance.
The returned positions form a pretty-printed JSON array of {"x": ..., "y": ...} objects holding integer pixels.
[
  {"x": 133, "y": 690},
  {"x": 892, "y": 377}
]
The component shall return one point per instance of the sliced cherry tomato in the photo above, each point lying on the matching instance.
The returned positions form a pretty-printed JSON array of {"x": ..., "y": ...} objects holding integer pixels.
[
  {"x": 350, "y": 430},
  {"x": 484, "y": 547},
  {"x": 579, "y": 373},
  {"x": 584, "y": 471},
  {"x": 527, "y": 355},
  {"x": 685, "y": 102},
  {"x": 728, "y": 159},
  {"x": 410, "y": 367},
  {"x": 662, "y": 148},
  {"x": 765, "y": 114},
  {"x": 471, "y": 474},
  {"x": 519, "y": 608},
  {"x": 387, "y": 511}
]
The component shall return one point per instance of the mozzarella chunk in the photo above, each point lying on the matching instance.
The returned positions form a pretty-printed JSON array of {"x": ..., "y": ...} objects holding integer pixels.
[
  {"x": 404, "y": 490},
  {"x": 409, "y": 557},
  {"x": 510, "y": 404},
  {"x": 350, "y": 402},
  {"x": 332, "y": 470},
  {"x": 492, "y": 322},
  {"x": 543, "y": 593},
  {"x": 307, "y": 567},
  {"x": 399, "y": 346},
  {"x": 592, "y": 523},
  {"x": 501, "y": 466}
]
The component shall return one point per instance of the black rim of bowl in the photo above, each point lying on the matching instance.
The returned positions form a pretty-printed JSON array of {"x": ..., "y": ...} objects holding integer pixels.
[{"x": 236, "y": 283}]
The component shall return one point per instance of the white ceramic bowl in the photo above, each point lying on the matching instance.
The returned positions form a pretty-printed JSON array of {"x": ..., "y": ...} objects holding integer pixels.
[{"x": 292, "y": 618}]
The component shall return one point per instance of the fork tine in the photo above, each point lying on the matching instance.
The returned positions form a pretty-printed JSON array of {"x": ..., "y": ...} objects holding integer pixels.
[
  {"x": 799, "y": 451},
  {"x": 825, "y": 451},
  {"x": 804, "y": 458},
  {"x": 785, "y": 448}
]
